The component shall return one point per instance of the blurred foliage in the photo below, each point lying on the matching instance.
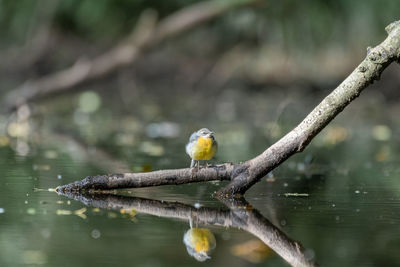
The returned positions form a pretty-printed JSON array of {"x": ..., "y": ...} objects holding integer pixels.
[{"x": 305, "y": 23}]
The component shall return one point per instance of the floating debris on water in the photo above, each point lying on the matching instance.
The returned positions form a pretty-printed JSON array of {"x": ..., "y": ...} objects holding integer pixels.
[
  {"x": 59, "y": 176},
  {"x": 43, "y": 190},
  {"x": 63, "y": 212},
  {"x": 2, "y": 210},
  {"x": 357, "y": 191},
  {"x": 80, "y": 212},
  {"x": 296, "y": 194}
]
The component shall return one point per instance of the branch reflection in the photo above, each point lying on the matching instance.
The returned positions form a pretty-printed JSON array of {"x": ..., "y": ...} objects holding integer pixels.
[{"x": 200, "y": 241}]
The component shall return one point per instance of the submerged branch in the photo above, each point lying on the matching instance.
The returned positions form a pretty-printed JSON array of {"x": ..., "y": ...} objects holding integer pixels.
[
  {"x": 244, "y": 175},
  {"x": 241, "y": 215},
  {"x": 147, "y": 34}
]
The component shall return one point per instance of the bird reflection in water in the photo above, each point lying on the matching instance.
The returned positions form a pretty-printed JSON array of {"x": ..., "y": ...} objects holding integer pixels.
[{"x": 200, "y": 241}]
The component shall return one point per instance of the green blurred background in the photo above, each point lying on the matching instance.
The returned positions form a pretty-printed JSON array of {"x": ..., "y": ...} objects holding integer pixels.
[{"x": 251, "y": 74}]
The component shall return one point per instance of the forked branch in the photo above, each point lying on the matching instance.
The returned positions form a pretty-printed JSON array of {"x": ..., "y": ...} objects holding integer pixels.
[{"x": 243, "y": 176}]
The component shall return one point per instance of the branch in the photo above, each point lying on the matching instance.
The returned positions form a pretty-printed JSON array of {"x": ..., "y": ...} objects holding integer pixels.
[
  {"x": 242, "y": 176},
  {"x": 146, "y": 35},
  {"x": 295, "y": 141},
  {"x": 164, "y": 177},
  {"x": 249, "y": 220}
]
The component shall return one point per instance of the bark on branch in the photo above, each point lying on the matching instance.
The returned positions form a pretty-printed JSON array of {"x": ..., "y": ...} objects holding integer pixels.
[
  {"x": 243, "y": 176},
  {"x": 240, "y": 215},
  {"x": 147, "y": 34}
]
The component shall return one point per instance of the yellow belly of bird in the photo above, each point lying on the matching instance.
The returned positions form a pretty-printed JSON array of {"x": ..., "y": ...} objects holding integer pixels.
[{"x": 204, "y": 149}]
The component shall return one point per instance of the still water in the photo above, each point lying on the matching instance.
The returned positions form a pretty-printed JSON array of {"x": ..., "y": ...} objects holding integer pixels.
[{"x": 339, "y": 200}]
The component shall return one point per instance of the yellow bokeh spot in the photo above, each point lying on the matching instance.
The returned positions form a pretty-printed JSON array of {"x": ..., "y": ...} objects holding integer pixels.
[
  {"x": 4, "y": 141},
  {"x": 381, "y": 132},
  {"x": 254, "y": 251}
]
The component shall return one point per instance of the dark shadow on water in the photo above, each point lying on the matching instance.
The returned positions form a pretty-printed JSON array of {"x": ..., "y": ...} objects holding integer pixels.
[{"x": 200, "y": 241}]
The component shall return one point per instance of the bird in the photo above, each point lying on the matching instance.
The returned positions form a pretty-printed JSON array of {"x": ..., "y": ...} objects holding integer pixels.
[
  {"x": 202, "y": 146},
  {"x": 199, "y": 243}
]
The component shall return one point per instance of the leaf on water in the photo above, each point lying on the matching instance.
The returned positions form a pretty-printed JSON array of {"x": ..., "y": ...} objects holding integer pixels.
[
  {"x": 254, "y": 251},
  {"x": 63, "y": 212},
  {"x": 81, "y": 213}
]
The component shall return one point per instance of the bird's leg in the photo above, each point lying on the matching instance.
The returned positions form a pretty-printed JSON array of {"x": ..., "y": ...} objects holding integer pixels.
[
  {"x": 207, "y": 165},
  {"x": 198, "y": 165},
  {"x": 192, "y": 163}
]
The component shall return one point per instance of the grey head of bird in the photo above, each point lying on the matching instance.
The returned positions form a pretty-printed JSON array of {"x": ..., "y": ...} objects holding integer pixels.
[{"x": 204, "y": 132}]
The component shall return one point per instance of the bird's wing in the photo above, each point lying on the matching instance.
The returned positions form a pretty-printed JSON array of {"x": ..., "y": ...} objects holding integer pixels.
[
  {"x": 189, "y": 145},
  {"x": 193, "y": 137}
]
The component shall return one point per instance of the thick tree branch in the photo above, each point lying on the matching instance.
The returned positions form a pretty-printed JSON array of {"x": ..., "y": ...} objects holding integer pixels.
[
  {"x": 241, "y": 215},
  {"x": 244, "y": 175},
  {"x": 164, "y": 177},
  {"x": 146, "y": 35}
]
